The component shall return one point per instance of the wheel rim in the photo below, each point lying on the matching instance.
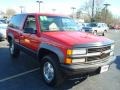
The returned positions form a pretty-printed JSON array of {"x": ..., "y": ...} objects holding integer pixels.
[
  {"x": 48, "y": 71},
  {"x": 11, "y": 48}
]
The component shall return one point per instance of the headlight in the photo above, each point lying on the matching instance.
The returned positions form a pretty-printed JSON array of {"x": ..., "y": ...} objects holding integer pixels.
[
  {"x": 80, "y": 60},
  {"x": 112, "y": 47},
  {"x": 77, "y": 51}
]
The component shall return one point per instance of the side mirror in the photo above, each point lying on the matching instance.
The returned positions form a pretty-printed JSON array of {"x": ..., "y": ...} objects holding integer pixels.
[{"x": 29, "y": 30}]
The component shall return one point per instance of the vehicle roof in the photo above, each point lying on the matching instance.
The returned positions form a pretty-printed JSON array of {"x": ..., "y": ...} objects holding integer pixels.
[
  {"x": 42, "y": 14},
  {"x": 97, "y": 22}
]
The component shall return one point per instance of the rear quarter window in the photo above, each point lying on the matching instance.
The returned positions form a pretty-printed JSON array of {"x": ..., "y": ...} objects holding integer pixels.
[{"x": 16, "y": 21}]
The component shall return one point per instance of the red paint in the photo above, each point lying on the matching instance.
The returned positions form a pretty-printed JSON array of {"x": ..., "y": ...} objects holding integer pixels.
[{"x": 63, "y": 40}]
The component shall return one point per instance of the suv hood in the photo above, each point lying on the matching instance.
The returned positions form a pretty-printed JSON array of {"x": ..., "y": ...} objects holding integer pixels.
[{"x": 73, "y": 38}]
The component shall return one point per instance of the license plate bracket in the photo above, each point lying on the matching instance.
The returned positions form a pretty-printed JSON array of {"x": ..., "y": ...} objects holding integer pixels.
[{"x": 104, "y": 68}]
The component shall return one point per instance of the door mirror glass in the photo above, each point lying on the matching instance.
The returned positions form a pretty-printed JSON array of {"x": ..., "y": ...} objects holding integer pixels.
[{"x": 29, "y": 30}]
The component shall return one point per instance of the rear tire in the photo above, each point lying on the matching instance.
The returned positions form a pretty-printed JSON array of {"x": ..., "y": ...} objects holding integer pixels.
[
  {"x": 50, "y": 72},
  {"x": 14, "y": 51}
]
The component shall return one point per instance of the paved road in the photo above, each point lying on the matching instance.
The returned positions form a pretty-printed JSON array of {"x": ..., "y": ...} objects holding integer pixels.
[{"x": 23, "y": 73}]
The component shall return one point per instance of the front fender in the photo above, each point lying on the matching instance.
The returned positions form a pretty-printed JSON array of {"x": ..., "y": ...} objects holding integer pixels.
[{"x": 53, "y": 49}]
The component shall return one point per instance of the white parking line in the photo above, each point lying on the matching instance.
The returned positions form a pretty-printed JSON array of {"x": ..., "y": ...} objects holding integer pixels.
[{"x": 18, "y": 75}]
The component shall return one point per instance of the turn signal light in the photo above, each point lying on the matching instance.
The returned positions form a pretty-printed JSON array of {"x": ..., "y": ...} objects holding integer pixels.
[
  {"x": 69, "y": 52},
  {"x": 68, "y": 61}
]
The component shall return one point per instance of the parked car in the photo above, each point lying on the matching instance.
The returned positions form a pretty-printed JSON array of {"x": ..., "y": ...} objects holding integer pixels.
[
  {"x": 59, "y": 46},
  {"x": 96, "y": 28},
  {"x": 85, "y": 24},
  {"x": 3, "y": 27},
  {"x": 116, "y": 27},
  {"x": 80, "y": 25},
  {"x": 3, "y": 20}
]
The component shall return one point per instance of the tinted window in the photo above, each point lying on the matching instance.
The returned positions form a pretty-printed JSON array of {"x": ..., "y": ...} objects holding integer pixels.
[
  {"x": 16, "y": 21},
  {"x": 56, "y": 23},
  {"x": 30, "y": 22}
]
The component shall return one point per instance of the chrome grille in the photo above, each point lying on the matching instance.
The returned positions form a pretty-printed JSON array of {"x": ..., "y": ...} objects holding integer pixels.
[
  {"x": 97, "y": 57},
  {"x": 91, "y": 50},
  {"x": 95, "y": 54},
  {"x": 98, "y": 53}
]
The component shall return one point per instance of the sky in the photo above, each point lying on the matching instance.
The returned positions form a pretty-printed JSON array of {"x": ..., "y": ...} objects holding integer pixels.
[{"x": 61, "y": 6}]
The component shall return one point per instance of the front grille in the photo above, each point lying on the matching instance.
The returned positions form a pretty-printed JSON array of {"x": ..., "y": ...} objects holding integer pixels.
[
  {"x": 92, "y": 50},
  {"x": 94, "y": 58},
  {"x": 98, "y": 53}
]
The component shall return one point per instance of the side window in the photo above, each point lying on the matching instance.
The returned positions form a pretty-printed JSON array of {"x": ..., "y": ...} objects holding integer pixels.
[
  {"x": 103, "y": 25},
  {"x": 30, "y": 23},
  {"x": 16, "y": 21}
]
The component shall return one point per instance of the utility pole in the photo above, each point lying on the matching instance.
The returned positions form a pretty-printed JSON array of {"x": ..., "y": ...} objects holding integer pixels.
[
  {"x": 106, "y": 5},
  {"x": 73, "y": 10},
  {"x": 21, "y": 9},
  {"x": 39, "y": 2},
  {"x": 93, "y": 4}
]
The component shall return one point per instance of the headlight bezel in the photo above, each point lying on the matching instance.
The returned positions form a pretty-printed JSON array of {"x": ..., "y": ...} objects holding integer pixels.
[{"x": 75, "y": 51}]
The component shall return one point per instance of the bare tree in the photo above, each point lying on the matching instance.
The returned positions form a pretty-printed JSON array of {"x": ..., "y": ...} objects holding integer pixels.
[
  {"x": 2, "y": 14},
  {"x": 10, "y": 12},
  {"x": 87, "y": 7}
]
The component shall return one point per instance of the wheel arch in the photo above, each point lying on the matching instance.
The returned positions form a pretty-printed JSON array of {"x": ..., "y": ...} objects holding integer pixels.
[
  {"x": 10, "y": 37},
  {"x": 46, "y": 49}
]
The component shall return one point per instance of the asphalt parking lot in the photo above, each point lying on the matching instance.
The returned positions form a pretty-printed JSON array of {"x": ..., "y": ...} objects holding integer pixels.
[{"x": 24, "y": 73}]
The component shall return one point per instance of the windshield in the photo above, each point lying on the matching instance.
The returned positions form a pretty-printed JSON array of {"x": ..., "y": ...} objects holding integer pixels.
[
  {"x": 56, "y": 23},
  {"x": 92, "y": 25}
]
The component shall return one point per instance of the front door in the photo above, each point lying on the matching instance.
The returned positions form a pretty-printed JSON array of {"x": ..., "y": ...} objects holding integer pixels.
[{"x": 30, "y": 40}]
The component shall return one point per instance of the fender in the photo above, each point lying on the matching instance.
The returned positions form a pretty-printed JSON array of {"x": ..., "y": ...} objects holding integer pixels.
[{"x": 53, "y": 49}]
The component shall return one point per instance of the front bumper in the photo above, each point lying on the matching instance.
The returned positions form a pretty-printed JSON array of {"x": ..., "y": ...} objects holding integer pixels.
[{"x": 85, "y": 68}]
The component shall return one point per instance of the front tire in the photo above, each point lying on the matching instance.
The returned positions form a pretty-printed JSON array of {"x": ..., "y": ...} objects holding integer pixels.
[
  {"x": 95, "y": 32},
  {"x": 50, "y": 71},
  {"x": 104, "y": 33},
  {"x": 14, "y": 51}
]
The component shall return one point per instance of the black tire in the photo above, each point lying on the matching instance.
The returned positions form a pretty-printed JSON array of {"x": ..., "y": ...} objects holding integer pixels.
[
  {"x": 14, "y": 51},
  {"x": 104, "y": 33},
  {"x": 57, "y": 78},
  {"x": 95, "y": 32}
]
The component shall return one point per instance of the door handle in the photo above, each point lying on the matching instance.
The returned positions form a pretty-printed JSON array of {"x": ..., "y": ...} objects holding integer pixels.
[{"x": 21, "y": 36}]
